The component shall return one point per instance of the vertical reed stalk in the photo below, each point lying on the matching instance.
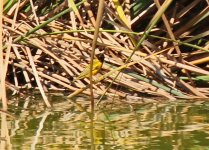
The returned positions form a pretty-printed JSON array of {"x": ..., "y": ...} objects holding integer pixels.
[
  {"x": 2, "y": 69},
  {"x": 94, "y": 42}
]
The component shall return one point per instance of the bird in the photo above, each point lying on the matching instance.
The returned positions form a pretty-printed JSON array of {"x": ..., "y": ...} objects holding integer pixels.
[{"x": 97, "y": 65}]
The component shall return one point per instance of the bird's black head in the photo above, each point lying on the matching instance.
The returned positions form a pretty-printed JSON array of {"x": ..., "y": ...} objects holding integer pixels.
[{"x": 101, "y": 57}]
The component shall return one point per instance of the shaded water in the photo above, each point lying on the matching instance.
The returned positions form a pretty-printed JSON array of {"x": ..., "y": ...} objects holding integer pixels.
[{"x": 116, "y": 125}]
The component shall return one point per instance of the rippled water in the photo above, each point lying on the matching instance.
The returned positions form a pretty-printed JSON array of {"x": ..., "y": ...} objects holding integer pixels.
[{"x": 116, "y": 125}]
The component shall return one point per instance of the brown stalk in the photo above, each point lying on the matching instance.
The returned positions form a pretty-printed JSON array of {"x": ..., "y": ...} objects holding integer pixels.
[
  {"x": 37, "y": 78},
  {"x": 94, "y": 42},
  {"x": 2, "y": 64}
]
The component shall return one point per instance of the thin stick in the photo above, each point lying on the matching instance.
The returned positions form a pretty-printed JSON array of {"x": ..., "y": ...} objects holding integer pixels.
[
  {"x": 2, "y": 78},
  {"x": 37, "y": 77},
  {"x": 94, "y": 42}
]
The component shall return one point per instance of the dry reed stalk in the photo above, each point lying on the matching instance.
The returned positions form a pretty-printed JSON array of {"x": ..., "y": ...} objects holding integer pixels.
[
  {"x": 61, "y": 55},
  {"x": 37, "y": 77},
  {"x": 2, "y": 64}
]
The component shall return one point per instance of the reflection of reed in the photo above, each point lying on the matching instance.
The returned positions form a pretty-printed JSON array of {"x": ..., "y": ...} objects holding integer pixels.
[
  {"x": 5, "y": 138},
  {"x": 92, "y": 130},
  {"x": 40, "y": 127},
  {"x": 113, "y": 126}
]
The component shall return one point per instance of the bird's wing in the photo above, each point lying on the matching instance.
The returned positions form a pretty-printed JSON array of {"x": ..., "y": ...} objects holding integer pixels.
[{"x": 86, "y": 71}]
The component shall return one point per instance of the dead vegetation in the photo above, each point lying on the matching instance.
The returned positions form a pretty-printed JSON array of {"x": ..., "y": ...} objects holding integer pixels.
[{"x": 160, "y": 47}]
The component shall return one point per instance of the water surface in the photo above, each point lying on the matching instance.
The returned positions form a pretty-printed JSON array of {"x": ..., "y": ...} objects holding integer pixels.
[{"x": 117, "y": 124}]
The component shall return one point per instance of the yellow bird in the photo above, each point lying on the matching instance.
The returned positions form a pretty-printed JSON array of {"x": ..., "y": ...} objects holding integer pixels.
[{"x": 97, "y": 65}]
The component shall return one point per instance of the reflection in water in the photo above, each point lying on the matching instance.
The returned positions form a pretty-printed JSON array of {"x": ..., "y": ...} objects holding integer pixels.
[
  {"x": 92, "y": 129},
  {"x": 38, "y": 132},
  {"x": 5, "y": 139},
  {"x": 115, "y": 126}
]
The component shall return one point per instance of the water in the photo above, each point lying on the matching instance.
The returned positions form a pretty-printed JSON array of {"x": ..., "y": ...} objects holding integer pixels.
[{"x": 117, "y": 125}]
